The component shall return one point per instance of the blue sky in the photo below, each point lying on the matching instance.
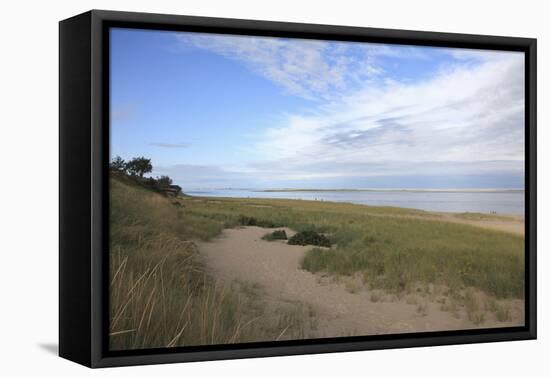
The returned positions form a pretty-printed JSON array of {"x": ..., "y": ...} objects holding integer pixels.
[{"x": 215, "y": 111}]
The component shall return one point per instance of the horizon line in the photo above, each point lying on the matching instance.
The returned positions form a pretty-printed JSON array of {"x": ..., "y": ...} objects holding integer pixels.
[{"x": 366, "y": 189}]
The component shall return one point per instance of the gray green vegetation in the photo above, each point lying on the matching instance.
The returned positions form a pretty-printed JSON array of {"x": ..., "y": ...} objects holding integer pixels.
[
  {"x": 133, "y": 171},
  {"x": 162, "y": 296},
  {"x": 394, "y": 254},
  {"x": 309, "y": 237},
  {"x": 275, "y": 235},
  {"x": 480, "y": 216},
  {"x": 244, "y": 220}
]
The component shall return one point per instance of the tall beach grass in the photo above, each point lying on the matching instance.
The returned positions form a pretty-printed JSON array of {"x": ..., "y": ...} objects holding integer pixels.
[
  {"x": 160, "y": 294},
  {"x": 392, "y": 248}
]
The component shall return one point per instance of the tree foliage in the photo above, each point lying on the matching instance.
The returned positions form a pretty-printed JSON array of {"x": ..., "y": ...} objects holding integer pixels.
[
  {"x": 118, "y": 164},
  {"x": 139, "y": 166},
  {"x": 164, "y": 181}
]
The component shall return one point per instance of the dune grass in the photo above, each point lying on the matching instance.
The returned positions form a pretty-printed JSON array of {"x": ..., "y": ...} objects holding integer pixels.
[
  {"x": 394, "y": 255},
  {"x": 160, "y": 294},
  {"x": 481, "y": 216},
  {"x": 393, "y": 248}
]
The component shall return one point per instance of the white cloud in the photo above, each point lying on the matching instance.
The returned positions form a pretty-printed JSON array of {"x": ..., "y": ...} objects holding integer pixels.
[
  {"x": 478, "y": 55},
  {"x": 466, "y": 119},
  {"x": 316, "y": 70},
  {"x": 470, "y": 113}
]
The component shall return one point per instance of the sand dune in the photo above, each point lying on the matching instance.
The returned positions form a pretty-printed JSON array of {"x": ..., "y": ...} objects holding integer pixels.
[{"x": 240, "y": 254}]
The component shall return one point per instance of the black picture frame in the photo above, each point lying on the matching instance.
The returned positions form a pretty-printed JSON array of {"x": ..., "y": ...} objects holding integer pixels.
[{"x": 83, "y": 182}]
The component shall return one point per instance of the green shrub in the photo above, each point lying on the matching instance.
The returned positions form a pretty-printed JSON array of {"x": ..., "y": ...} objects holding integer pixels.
[
  {"x": 309, "y": 238},
  {"x": 275, "y": 235},
  {"x": 252, "y": 221}
]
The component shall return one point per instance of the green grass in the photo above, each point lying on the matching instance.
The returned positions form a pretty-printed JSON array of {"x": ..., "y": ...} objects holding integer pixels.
[
  {"x": 161, "y": 296},
  {"x": 480, "y": 216},
  {"x": 502, "y": 311},
  {"x": 473, "y": 307},
  {"x": 396, "y": 253},
  {"x": 244, "y": 220},
  {"x": 393, "y": 248}
]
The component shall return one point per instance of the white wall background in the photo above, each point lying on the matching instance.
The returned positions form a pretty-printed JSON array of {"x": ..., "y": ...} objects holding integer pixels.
[{"x": 29, "y": 188}]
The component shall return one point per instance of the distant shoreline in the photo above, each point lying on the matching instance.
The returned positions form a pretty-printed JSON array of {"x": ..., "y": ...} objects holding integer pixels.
[
  {"x": 499, "y": 201},
  {"x": 509, "y": 222},
  {"x": 434, "y": 212},
  {"x": 394, "y": 190}
]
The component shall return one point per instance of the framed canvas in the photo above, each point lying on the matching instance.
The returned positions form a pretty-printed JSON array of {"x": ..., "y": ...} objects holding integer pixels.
[{"x": 235, "y": 188}]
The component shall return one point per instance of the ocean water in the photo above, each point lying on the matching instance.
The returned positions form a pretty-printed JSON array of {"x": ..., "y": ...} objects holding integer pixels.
[{"x": 500, "y": 202}]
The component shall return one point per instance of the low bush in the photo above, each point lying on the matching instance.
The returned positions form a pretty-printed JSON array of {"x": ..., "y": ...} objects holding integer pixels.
[
  {"x": 251, "y": 221},
  {"x": 309, "y": 238},
  {"x": 275, "y": 235}
]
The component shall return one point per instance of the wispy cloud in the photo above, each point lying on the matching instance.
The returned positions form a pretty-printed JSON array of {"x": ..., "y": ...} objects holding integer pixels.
[
  {"x": 201, "y": 176},
  {"x": 316, "y": 70},
  {"x": 465, "y": 118},
  {"x": 461, "y": 115}
]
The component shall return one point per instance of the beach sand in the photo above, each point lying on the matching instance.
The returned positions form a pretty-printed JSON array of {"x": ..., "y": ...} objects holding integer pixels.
[
  {"x": 339, "y": 307},
  {"x": 513, "y": 224}
]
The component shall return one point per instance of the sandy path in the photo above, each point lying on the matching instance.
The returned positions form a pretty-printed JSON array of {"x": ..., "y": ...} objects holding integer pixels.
[
  {"x": 513, "y": 224},
  {"x": 241, "y": 254}
]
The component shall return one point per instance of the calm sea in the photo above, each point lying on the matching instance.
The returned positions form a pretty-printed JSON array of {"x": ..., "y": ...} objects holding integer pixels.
[{"x": 500, "y": 202}]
